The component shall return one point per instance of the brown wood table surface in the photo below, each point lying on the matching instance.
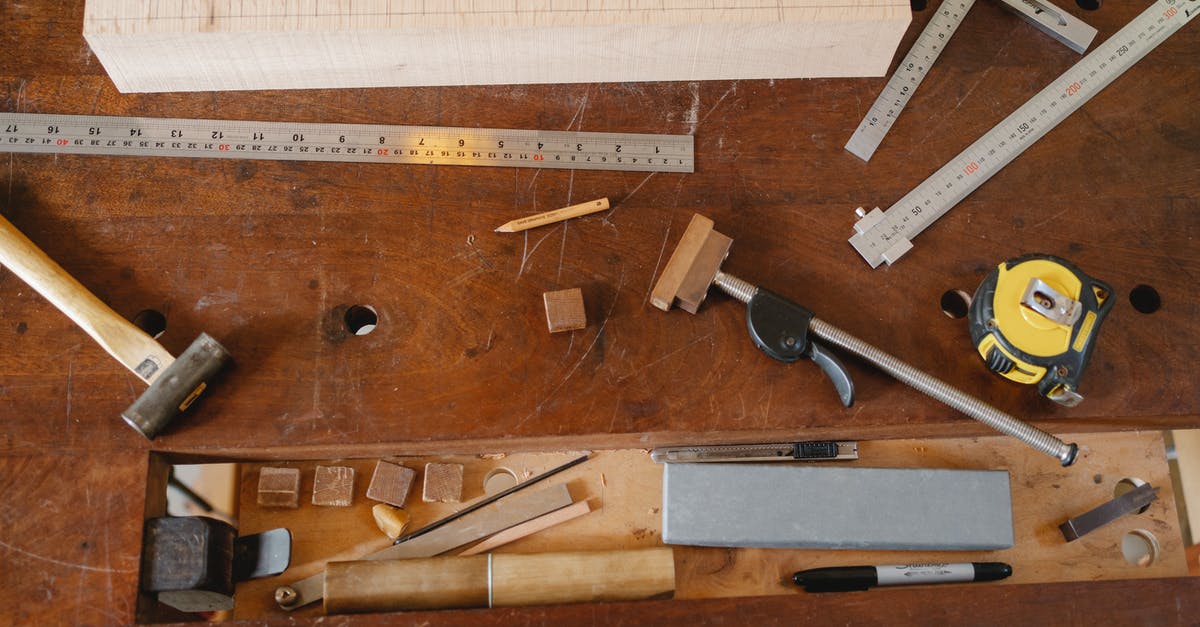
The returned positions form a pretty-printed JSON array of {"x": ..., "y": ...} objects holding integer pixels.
[{"x": 267, "y": 256}]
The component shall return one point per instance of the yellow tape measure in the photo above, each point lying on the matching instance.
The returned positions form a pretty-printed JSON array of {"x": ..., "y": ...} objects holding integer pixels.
[{"x": 1035, "y": 319}]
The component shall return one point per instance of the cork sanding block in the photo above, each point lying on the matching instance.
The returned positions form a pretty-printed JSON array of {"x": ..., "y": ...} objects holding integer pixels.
[{"x": 777, "y": 506}]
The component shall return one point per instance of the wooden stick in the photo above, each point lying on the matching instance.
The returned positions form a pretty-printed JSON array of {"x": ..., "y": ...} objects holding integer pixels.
[
  {"x": 558, "y": 215},
  {"x": 495, "y": 497},
  {"x": 501, "y": 580},
  {"x": 512, "y": 534}
]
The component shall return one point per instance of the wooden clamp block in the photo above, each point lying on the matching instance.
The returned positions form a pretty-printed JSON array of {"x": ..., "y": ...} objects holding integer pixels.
[
  {"x": 443, "y": 483},
  {"x": 692, "y": 267},
  {"x": 333, "y": 486},
  {"x": 564, "y": 310},
  {"x": 391, "y": 483},
  {"x": 279, "y": 487}
]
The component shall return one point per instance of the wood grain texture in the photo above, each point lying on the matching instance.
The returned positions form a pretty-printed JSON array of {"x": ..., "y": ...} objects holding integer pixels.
[
  {"x": 391, "y": 482},
  {"x": 267, "y": 256},
  {"x": 443, "y": 483},
  {"x": 260, "y": 44},
  {"x": 333, "y": 486},
  {"x": 565, "y": 310},
  {"x": 279, "y": 487}
]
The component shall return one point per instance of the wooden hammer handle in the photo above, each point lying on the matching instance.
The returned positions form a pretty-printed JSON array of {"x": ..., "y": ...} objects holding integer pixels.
[{"x": 131, "y": 346}]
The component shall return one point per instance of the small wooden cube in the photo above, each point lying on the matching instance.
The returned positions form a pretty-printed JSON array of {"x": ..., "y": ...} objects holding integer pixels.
[
  {"x": 391, "y": 483},
  {"x": 443, "y": 483},
  {"x": 279, "y": 487},
  {"x": 333, "y": 486},
  {"x": 564, "y": 310}
]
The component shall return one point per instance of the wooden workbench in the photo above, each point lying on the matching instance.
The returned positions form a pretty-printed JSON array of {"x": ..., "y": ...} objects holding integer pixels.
[{"x": 266, "y": 257}]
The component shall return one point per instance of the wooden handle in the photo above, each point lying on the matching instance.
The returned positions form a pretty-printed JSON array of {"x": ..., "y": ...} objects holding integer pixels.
[
  {"x": 136, "y": 350},
  {"x": 431, "y": 583},
  {"x": 463, "y": 582},
  {"x": 549, "y": 578}
]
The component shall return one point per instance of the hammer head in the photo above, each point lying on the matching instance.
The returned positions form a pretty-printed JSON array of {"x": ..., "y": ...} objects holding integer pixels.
[
  {"x": 692, "y": 267},
  {"x": 177, "y": 387}
]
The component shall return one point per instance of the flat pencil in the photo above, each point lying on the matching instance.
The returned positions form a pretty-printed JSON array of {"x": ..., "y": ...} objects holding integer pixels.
[{"x": 557, "y": 215}]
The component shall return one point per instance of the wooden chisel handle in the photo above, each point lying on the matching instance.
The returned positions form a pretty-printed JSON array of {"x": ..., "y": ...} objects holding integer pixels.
[
  {"x": 499, "y": 580},
  {"x": 131, "y": 346}
]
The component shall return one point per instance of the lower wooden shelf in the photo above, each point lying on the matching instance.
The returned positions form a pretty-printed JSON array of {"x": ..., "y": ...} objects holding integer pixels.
[{"x": 624, "y": 488}]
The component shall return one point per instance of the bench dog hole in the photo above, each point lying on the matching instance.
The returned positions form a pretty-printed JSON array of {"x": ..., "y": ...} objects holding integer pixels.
[
  {"x": 360, "y": 319},
  {"x": 151, "y": 321}
]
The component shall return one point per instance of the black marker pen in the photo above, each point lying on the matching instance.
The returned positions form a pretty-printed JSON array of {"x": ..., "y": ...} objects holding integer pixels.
[{"x": 847, "y": 578}]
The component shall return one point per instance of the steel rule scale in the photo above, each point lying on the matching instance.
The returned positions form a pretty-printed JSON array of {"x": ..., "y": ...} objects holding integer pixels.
[
  {"x": 356, "y": 143},
  {"x": 885, "y": 236}
]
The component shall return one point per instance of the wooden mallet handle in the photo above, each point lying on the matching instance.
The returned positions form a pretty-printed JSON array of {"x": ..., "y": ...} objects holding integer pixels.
[{"x": 131, "y": 346}]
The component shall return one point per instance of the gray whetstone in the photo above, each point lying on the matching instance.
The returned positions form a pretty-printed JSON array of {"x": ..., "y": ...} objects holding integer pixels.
[{"x": 820, "y": 507}]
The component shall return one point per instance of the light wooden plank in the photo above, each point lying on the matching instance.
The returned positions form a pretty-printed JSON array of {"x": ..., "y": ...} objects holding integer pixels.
[{"x": 289, "y": 44}]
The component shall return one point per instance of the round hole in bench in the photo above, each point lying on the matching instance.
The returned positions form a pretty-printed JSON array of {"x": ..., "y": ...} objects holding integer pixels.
[
  {"x": 956, "y": 303},
  {"x": 361, "y": 319},
  {"x": 151, "y": 321},
  {"x": 1140, "y": 548},
  {"x": 1145, "y": 299}
]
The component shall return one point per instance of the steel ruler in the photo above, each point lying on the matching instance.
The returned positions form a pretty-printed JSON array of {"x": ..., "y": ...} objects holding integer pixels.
[
  {"x": 886, "y": 235},
  {"x": 357, "y": 143},
  {"x": 912, "y": 70},
  {"x": 1072, "y": 32}
]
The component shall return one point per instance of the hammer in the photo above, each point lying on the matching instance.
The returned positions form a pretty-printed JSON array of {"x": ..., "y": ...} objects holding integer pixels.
[
  {"x": 781, "y": 328},
  {"x": 174, "y": 383}
]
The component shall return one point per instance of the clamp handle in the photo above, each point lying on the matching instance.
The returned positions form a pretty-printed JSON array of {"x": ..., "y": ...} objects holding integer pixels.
[{"x": 779, "y": 328}]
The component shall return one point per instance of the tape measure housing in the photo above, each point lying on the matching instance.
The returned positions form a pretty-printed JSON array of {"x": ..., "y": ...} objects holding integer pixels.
[{"x": 1024, "y": 342}]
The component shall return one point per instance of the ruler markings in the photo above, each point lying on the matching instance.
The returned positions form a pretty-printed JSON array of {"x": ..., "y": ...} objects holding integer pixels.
[
  {"x": 885, "y": 236},
  {"x": 909, "y": 74},
  {"x": 361, "y": 143}
]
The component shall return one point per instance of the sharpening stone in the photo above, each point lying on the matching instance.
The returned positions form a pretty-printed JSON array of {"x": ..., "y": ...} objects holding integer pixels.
[{"x": 821, "y": 507}]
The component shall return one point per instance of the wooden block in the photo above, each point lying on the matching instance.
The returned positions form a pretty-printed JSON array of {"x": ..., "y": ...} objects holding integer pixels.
[
  {"x": 279, "y": 487},
  {"x": 564, "y": 310},
  {"x": 390, "y": 483},
  {"x": 443, "y": 483},
  {"x": 287, "y": 44},
  {"x": 333, "y": 486},
  {"x": 680, "y": 262},
  {"x": 703, "y": 270}
]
